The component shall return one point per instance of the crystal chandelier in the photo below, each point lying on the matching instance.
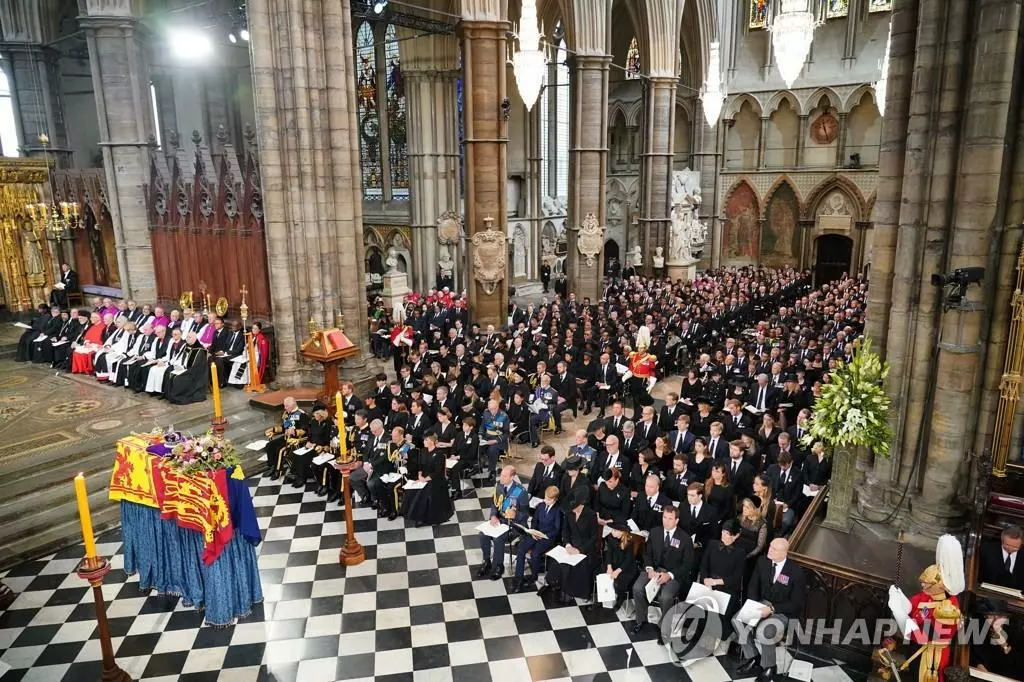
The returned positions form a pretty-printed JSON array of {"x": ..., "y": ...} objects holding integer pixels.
[
  {"x": 792, "y": 30},
  {"x": 713, "y": 94},
  {"x": 883, "y": 79},
  {"x": 55, "y": 218},
  {"x": 528, "y": 63}
]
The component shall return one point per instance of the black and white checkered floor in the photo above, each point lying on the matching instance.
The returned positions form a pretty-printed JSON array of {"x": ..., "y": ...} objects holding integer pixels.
[{"x": 412, "y": 611}]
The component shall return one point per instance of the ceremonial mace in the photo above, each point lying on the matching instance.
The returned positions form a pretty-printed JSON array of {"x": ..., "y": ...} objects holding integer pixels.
[
  {"x": 352, "y": 552},
  {"x": 255, "y": 384},
  {"x": 93, "y": 569}
]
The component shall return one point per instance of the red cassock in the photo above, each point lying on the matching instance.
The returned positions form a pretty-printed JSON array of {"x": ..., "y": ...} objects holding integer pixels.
[
  {"x": 263, "y": 354},
  {"x": 931, "y": 630},
  {"x": 642, "y": 364},
  {"x": 81, "y": 363}
]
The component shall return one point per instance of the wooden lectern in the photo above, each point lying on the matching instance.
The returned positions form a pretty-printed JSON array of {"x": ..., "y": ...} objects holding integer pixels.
[{"x": 328, "y": 347}]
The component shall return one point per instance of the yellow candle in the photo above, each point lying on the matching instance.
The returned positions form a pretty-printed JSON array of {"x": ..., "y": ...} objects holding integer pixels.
[
  {"x": 340, "y": 414},
  {"x": 83, "y": 516},
  {"x": 216, "y": 390}
]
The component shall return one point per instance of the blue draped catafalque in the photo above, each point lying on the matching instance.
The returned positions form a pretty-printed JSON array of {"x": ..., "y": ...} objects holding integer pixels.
[{"x": 168, "y": 559}]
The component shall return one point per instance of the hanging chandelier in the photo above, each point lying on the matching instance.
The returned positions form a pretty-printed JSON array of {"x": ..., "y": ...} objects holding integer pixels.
[
  {"x": 713, "y": 94},
  {"x": 528, "y": 62},
  {"x": 56, "y": 218},
  {"x": 792, "y": 30},
  {"x": 883, "y": 79}
]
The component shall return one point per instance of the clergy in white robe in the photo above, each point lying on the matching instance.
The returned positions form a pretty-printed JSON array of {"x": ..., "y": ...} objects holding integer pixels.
[
  {"x": 171, "y": 359},
  {"x": 112, "y": 348}
]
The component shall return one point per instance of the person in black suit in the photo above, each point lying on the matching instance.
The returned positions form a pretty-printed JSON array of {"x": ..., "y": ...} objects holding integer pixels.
[
  {"x": 546, "y": 473},
  {"x": 609, "y": 458},
  {"x": 1001, "y": 563},
  {"x": 631, "y": 442},
  {"x": 650, "y": 504},
  {"x": 735, "y": 420},
  {"x": 679, "y": 479},
  {"x": 606, "y": 382},
  {"x": 69, "y": 280},
  {"x": 670, "y": 412},
  {"x": 647, "y": 428},
  {"x": 763, "y": 396},
  {"x": 697, "y": 519},
  {"x": 788, "y": 485},
  {"x": 668, "y": 560},
  {"x": 418, "y": 423},
  {"x": 779, "y": 584},
  {"x": 741, "y": 472}
]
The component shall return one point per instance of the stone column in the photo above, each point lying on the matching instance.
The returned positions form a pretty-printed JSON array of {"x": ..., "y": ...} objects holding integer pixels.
[
  {"x": 303, "y": 78},
  {"x": 483, "y": 32},
  {"x": 841, "y": 141},
  {"x": 34, "y": 79},
  {"x": 801, "y": 140},
  {"x": 588, "y": 32},
  {"x": 762, "y": 141},
  {"x": 120, "y": 79},
  {"x": 657, "y": 25},
  {"x": 990, "y": 96},
  {"x": 430, "y": 72},
  {"x": 534, "y": 191}
]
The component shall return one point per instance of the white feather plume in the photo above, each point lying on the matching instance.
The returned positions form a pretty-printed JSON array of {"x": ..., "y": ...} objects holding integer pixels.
[{"x": 949, "y": 557}]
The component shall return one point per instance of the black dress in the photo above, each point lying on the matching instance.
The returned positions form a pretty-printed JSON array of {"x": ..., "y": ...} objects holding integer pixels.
[
  {"x": 430, "y": 505},
  {"x": 701, "y": 470},
  {"x": 581, "y": 533},
  {"x": 625, "y": 559},
  {"x": 612, "y": 505},
  {"x": 721, "y": 500}
]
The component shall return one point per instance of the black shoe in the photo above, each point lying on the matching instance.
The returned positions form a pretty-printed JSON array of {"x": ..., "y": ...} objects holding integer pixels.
[
  {"x": 517, "y": 584},
  {"x": 637, "y": 629},
  {"x": 767, "y": 675},
  {"x": 484, "y": 570},
  {"x": 319, "y": 492},
  {"x": 661, "y": 640},
  {"x": 275, "y": 476},
  {"x": 496, "y": 574},
  {"x": 746, "y": 667},
  {"x": 392, "y": 516},
  {"x": 334, "y": 495},
  {"x": 526, "y": 586},
  {"x": 543, "y": 589},
  {"x": 289, "y": 479},
  {"x": 299, "y": 484}
]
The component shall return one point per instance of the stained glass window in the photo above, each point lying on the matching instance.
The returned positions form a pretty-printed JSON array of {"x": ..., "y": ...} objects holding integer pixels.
[
  {"x": 397, "y": 137},
  {"x": 369, "y": 121},
  {"x": 837, "y": 8},
  {"x": 879, "y": 5},
  {"x": 759, "y": 13},
  {"x": 633, "y": 60}
]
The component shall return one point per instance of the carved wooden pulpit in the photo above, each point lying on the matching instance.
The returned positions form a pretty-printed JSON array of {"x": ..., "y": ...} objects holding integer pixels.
[{"x": 328, "y": 347}]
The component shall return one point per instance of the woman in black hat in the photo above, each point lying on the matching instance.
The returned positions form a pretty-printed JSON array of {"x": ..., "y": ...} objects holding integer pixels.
[
  {"x": 579, "y": 536},
  {"x": 430, "y": 505},
  {"x": 573, "y": 479}
]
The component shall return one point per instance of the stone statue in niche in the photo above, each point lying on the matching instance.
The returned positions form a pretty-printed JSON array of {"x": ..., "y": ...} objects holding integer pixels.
[
  {"x": 636, "y": 259},
  {"x": 835, "y": 204},
  {"x": 686, "y": 230},
  {"x": 35, "y": 268},
  {"x": 519, "y": 252},
  {"x": 391, "y": 263}
]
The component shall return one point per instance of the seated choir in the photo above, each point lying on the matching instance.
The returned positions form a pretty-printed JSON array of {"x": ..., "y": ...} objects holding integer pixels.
[{"x": 142, "y": 349}]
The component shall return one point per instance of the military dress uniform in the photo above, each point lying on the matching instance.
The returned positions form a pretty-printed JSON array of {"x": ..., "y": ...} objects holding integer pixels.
[{"x": 284, "y": 439}]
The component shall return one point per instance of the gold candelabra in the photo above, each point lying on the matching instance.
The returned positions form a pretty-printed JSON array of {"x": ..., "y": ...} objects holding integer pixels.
[
  {"x": 56, "y": 217},
  {"x": 1010, "y": 383}
]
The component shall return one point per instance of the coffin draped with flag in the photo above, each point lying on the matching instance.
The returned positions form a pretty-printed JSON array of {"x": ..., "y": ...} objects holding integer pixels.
[{"x": 191, "y": 535}]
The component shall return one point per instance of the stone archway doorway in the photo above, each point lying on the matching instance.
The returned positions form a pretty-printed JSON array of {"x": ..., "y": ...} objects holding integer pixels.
[
  {"x": 612, "y": 265},
  {"x": 834, "y": 256}
]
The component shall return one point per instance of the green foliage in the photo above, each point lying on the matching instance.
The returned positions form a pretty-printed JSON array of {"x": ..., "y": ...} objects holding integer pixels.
[{"x": 853, "y": 409}]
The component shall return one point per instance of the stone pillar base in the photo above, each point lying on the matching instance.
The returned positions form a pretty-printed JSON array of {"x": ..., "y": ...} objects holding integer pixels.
[
  {"x": 396, "y": 286},
  {"x": 685, "y": 272}
]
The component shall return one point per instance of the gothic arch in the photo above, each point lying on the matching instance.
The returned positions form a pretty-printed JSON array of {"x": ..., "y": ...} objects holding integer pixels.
[
  {"x": 685, "y": 103},
  {"x": 736, "y": 185},
  {"x": 615, "y": 110},
  {"x": 733, "y": 105},
  {"x": 846, "y": 186},
  {"x": 776, "y": 100},
  {"x": 833, "y": 98},
  {"x": 634, "y": 114},
  {"x": 783, "y": 179},
  {"x": 854, "y": 98}
]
